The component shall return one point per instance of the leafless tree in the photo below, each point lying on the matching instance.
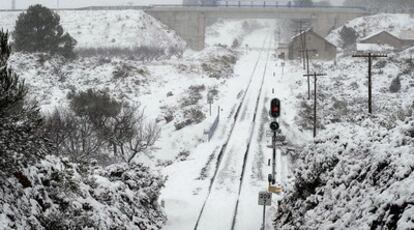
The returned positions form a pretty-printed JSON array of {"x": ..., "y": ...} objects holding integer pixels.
[{"x": 144, "y": 138}]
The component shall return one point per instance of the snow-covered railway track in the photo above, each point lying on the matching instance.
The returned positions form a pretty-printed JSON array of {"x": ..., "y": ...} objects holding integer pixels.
[
  {"x": 220, "y": 206},
  {"x": 256, "y": 110}
]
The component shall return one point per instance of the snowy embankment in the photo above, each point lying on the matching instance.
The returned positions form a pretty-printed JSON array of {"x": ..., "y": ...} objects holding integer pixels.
[
  {"x": 359, "y": 172},
  {"x": 369, "y": 25},
  {"x": 172, "y": 92},
  {"x": 109, "y": 29},
  {"x": 61, "y": 195}
]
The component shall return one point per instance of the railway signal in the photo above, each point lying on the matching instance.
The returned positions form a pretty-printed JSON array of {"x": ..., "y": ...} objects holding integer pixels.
[
  {"x": 274, "y": 126},
  {"x": 275, "y": 108}
]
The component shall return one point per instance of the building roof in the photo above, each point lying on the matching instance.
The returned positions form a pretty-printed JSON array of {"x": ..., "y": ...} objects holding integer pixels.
[
  {"x": 403, "y": 35},
  {"x": 406, "y": 35},
  {"x": 314, "y": 33},
  {"x": 378, "y": 33}
]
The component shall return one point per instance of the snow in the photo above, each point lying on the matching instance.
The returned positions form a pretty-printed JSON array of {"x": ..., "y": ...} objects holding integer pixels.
[
  {"x": 65, "y": 195},
  {"x": 361, "y": 165},
  {"x": 364, "y": 26},
  {"x": 355, "y": 174},
  {"x": 224, "y": 32},
  {"x": 373, "y": 47},
  {"x": 109, "y": 28}
]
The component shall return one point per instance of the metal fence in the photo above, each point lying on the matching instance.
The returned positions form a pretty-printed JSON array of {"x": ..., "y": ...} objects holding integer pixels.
[{"x": 213, "y": 127}]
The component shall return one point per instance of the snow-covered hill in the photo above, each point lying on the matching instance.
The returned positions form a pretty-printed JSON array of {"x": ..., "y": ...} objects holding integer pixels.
[
  {"x": 358, "y": 173},
  {"x": 368, "y": 25},
  {"x": 109, "y": 28}
]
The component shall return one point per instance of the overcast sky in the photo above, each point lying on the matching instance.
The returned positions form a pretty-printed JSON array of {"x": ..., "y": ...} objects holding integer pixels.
[
  {"x": 6, "y": 4},
  {"x": 20, "y": 4}
]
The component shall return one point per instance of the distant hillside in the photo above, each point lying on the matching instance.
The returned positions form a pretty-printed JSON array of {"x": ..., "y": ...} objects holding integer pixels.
[
  {"x": 109, "y": 28},
  {"x": 364, "y": 26}
]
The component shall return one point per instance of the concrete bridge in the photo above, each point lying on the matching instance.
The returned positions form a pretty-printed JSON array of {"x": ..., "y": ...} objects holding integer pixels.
[{"x": 190, "y": 22}]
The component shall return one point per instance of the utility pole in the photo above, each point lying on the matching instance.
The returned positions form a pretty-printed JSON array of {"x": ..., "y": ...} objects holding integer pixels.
[
  {"x": 370, "y": 56},
  {"x": 315, "y": 75},
  {"x": 306, "y": 51},
  {"x": 13, "y": 4},
  {"x": 299, "y": 32}
]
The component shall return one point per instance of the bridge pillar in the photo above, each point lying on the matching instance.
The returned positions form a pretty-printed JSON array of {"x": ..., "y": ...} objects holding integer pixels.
[
  {"x": 190, "y": 26},
  {"x": 323, "y": 24}
]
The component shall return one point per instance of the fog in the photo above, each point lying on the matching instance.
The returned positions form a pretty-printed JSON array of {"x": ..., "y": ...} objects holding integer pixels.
[{"x": 21, "y": 4}]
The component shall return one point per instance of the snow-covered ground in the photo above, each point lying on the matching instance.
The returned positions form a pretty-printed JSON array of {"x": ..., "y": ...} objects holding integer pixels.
[
  {"x": 108, "y": 29},
  {"x": 163, "y": 88},
  {"x": 357, "y": 174},
  {"x": 214, "y": 184}
]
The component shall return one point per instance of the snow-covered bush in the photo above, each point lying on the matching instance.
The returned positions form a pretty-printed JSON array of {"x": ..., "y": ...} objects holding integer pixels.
[
  {"x": 395, "y": 85},
  {"x": 356, "y": 176},
  {"x": 220, "y": 66},
  {"x": 348, "y": 36},
  {"x": 21, "y": 139},
  {"x": 99, "y": 125},
  {"x": 64, "y": 195}
]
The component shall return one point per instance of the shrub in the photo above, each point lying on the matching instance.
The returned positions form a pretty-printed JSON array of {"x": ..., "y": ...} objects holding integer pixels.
[
  {"x": 141, "y": 53},
  {"x": 96, "y": 105},
  {"x": 99, "y": 125},
  {"x": 395, "y": 85},
  {"x": 194, "y": 95},
  {"x": 348, "y": 36},
  {"x": 39, "y": 30},
  {"x": 21, "y": 142},
  {"x": 235, "y": 44}
]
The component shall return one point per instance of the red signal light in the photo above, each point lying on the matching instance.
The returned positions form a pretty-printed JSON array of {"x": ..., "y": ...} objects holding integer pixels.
[{"x": 275, "y": 108}]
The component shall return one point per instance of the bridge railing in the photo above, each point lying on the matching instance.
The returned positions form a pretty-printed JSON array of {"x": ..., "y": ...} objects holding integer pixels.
[{"x": 289, "y": 4}]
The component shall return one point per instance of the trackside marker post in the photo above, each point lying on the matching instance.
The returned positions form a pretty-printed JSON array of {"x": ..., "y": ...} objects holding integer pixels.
[{"x": 265, "y": 199}]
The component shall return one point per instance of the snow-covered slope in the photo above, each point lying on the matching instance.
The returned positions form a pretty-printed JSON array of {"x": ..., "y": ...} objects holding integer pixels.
[
  {"x": 109, "y": 28},
  {"x": 356, "y": 176},
  {"x": 63, "y": 195},
  {"x": 358, "y": 173},
  {"x": 365, "y": 26}
]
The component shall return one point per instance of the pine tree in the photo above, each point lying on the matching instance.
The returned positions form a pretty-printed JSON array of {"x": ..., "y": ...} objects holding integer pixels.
[
  {"x": 349, "y": 36},
  {"x": 21, "y": 139},
  {"x": 39, "y": 30}
]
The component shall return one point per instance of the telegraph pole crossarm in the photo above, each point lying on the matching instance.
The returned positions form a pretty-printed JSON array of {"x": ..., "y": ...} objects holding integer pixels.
[
  {"x": 315, "y": 75},
  {"x": 370, "y": 56}
]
